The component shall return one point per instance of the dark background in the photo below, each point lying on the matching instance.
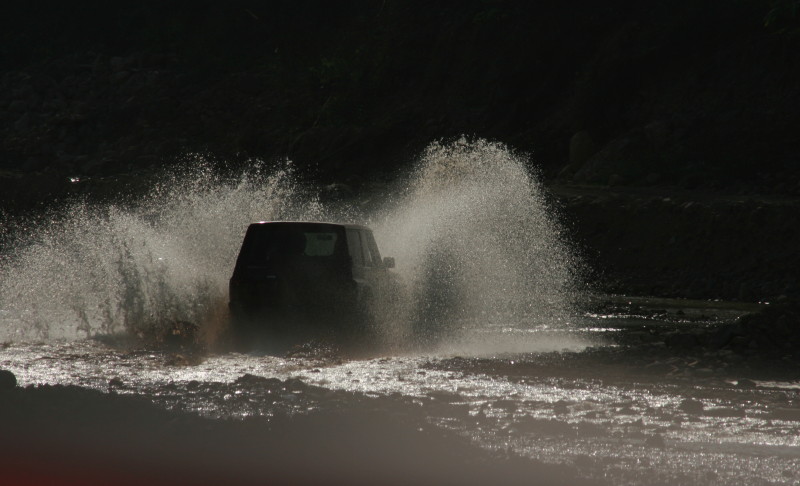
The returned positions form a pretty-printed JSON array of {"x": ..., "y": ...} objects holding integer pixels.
[{"x": 631, "y": 109}]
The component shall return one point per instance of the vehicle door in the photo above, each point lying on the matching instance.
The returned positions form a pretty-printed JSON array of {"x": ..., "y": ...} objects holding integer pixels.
[
  {"x": 356, "y": 250},
  {"x": 375, "y": 272},
  {"x": 369, "y": 272}
]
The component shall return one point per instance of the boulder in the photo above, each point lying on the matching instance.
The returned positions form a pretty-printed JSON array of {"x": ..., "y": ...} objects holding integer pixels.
[
  {"x": 581, "y": 148},
  {"x": 691, "y": 405},
  {"x": 773, "y": 328},
  {"x": 7, "y": 380}
]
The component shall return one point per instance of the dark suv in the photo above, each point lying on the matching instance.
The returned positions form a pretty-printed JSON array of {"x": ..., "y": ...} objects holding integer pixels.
[{"x": 295, "y": 274}]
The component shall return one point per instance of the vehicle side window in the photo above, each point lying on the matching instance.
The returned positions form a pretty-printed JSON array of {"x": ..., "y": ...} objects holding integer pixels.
[
  {"x": 371, "y": 255},
  {"x": 354, "y": 247}
]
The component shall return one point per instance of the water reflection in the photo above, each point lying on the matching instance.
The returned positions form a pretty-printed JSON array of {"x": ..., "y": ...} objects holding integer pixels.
[{"x": 596, "y": 407}]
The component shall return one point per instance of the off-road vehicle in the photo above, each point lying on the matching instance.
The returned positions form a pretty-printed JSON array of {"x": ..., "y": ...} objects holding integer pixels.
[{"x": 295, "y": 276}]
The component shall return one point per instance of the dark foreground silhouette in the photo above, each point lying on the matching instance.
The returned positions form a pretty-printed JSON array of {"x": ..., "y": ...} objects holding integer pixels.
[{"x": 70, "y": 435}]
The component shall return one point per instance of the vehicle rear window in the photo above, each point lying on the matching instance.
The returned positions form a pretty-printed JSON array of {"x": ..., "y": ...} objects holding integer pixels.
[
  {"x": 274, "y": 241},
  {"x": 320, "y": 244}
]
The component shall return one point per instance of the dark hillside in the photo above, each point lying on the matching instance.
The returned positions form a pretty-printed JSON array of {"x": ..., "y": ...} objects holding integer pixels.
[
  {"x": 668, "y": 95},
  {"x": 684, "y": 92}
]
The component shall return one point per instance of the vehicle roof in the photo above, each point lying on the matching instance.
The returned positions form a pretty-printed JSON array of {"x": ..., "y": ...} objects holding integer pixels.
[{"x": 343, "y": 225}]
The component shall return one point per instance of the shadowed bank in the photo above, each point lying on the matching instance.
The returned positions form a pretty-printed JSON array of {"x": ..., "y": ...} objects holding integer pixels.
[{"x": 70, "y": 435}]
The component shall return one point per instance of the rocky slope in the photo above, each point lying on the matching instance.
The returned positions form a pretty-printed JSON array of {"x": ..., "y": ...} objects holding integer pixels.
[{"x": 686, "y": 243}]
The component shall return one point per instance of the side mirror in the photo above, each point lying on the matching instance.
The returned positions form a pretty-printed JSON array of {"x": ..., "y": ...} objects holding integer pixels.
[{"x": 388, "y": 262}]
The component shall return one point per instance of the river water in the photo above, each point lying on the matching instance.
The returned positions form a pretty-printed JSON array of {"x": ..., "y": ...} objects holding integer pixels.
[
  {"x": 576, "y": 397},
  {"x": 533, "y": 364}
]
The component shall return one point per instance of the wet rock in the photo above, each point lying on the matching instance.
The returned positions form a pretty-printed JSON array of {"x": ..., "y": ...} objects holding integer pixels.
[
  {"x": 691, "y": 405},
  {"x": 561, "y": 407},
  {"x": 7, "y": 380},
  {"x": 251, "y": 380},
  {"x": 295, "y": 384},
  {"x": 774, "y": 328}
]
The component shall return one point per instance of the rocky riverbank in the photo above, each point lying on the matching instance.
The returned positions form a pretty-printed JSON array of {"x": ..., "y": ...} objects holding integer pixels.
[
  {"x": 761, "y": 345},
  {"x": 690, "y": 244}
]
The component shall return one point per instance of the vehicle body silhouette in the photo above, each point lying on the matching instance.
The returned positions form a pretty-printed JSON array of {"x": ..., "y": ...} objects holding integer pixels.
[{"x": 298, "y": 278}]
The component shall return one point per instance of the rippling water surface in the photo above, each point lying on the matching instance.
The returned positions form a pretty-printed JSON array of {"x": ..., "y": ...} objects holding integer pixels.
[
  {"x": 523, "y": 367},
  {"x": 605, "y": 415}
]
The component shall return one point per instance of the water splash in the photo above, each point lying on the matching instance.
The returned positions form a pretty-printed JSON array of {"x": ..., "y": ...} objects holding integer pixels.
[
  {"x": 160, "y": 259},
  {"x": 475, "y": 243},
  {"x": 479, "y": 248}
]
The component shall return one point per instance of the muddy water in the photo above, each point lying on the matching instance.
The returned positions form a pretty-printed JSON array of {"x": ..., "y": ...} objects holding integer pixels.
[{"x": 576, "y": 397}]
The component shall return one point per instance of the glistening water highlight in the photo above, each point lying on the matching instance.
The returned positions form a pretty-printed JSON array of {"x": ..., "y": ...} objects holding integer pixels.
[{"x": 475, "y": 243}]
